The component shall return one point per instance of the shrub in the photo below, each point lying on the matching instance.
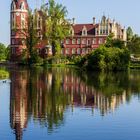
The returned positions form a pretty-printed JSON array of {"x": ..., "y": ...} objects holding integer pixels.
[{"x": 107, "y": 59}]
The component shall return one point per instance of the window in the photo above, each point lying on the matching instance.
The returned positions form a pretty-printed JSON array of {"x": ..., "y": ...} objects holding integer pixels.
[
  {"x": 73, "y": 41},
  {"x": 78, "y": 41},
  {"x": 100, "y": 40},
  {"x": 22, "y": 24},
  {"x": 13, "y": 41},
  {"x": 13, "y": 6},
  {"x": 78, "y": 51},
  {"x": 87, "y": 50},
  {"x": 88, "y": 42},
  {"x": 72, "y": 31},
  {"x": 94, "y": 41},
  {"x": 13, "y": 20},
  {"x": 83, "y": 51},
  {"x": 101, "y": 32},
  {"x": 62, "y": 51},
  {"x": 22, "y": 20},
  {"x": 67, "y": 41},
  {"x": 73, "y": 51},
  {"x": 67, "y": 50},
  {"x": 97, "y": 32},
  {"x": 84, "y": 41},
  {"x": 39, "y": 33},
  {"x": 12, "y": 32},
  {"x": 13, "y": 50},
  {"x": 22, "y": 6},
  {"x": 84, "y": 31},
  {"x": 39, "y": 22}
]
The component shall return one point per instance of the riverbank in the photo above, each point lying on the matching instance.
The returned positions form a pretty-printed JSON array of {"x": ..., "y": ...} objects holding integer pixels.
[
  {"x": 75, "y": 64},
  {"x": 135, "y": 65}
]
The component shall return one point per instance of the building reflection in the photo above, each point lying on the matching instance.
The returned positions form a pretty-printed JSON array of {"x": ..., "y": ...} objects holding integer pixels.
[
  {"x": 18, "y": 102},
  {"x": 44, "y": 96}
]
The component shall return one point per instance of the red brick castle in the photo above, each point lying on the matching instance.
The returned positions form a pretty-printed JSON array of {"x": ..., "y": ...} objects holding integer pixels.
[{"x": 83, "y": 39}]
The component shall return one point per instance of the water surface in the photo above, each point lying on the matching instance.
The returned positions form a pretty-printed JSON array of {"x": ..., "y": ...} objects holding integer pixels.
[{"x": 64, "y": 103}]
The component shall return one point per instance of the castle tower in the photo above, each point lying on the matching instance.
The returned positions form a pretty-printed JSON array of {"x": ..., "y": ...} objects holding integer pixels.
[{"x": 18, "y": 22}]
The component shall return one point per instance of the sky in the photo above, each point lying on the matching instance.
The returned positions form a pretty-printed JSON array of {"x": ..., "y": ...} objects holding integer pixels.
[{"x": 126, "y": 12}]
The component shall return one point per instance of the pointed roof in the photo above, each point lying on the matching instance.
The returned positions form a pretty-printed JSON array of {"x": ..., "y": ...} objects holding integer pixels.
[
  {"x": 79, "y": 27},
  {"x": 18, "y": 4}
]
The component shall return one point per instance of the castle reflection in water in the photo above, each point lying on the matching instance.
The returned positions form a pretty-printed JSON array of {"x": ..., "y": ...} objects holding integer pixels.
[{"x": 44, "y": 95}]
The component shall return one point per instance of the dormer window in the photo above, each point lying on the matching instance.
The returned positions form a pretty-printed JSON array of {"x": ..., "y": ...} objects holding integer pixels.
[
  {"x": 84, "y": 31},
  {"x": 13, "y": 6},
  {"x": 72, "y": 31},
  {"x": 22, "y": 6}
]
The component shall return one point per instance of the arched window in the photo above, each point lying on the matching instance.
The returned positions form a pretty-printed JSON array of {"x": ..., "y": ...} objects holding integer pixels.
[
  {"x": 13, "y": 6},
  {"x": 39, "y": 22},
  {"x": 22, "y": 6},
  {"x": 13, "y": 21},
  {"x": 23, "y": 21}
]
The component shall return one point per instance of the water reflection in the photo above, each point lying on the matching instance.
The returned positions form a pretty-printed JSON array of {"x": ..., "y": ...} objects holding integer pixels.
[{"x": 45, "y": 95}]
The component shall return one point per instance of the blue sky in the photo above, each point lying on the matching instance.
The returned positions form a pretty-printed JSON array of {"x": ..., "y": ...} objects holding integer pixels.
[{"x": 124, "y": 11}]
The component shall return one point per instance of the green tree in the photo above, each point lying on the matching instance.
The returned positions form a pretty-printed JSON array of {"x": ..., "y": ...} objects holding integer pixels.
[
  {"x": 57, "y": 25},
  {"x": 7, "y": 53},
  {"x": 111, "y": 42},
  {"x": 30, "y": 54},
  {"x": 107, "y": 59},
  {"x": 134, "y": 45},
  {"x": 2, "y": 52},
  {"x": 129, "y": 32}
]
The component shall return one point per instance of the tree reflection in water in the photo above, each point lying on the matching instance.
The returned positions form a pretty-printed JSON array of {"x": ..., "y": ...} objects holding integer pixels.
[{"x": 45, "y": 94}]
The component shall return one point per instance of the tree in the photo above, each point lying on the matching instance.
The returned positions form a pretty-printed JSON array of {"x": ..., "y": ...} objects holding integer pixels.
[
  {"x": 109, "y": 40},
  {"x": 7, "y": 53},
  {"x": 31, "y": 38},
  {"x": 2, "y": 52},
  {"x": 108, "y": 59},
  {"x": 57, "y": 25},
  {"x": 134, "y": 45},
  {"x": 112, "y": 42},
  {"x": 129, "y": 32}
]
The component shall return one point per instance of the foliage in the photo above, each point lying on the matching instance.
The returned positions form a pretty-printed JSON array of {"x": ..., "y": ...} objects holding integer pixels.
[
  {"x": 57, "y": 25},
  {"x": 4, "y": 74},
  {"x": 129, "y": 32},
  {"x": 109, "y": 59},
  {"x": 134, "y": 45},
  {"x": 111, "y": 56},
  {"x": 35, "y": 58},
  {"x": 31, "y": 39},
  {"x": 7, "y": 53},
  {"x": 111, "y": 42},
  {"x": 2, "y": 52},
  {"x": 133, "y": 42}
]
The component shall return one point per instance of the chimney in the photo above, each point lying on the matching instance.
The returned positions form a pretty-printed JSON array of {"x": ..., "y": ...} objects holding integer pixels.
[
  {"x": 94, "y": 20},
  {"x": 73, "y": 21}
]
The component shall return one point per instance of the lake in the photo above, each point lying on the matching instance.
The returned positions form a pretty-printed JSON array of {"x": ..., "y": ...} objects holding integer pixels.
[{"x": 67, "y": 104}]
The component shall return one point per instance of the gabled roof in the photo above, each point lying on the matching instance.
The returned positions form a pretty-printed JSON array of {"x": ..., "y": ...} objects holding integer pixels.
[{"x": 79, "y": 27}]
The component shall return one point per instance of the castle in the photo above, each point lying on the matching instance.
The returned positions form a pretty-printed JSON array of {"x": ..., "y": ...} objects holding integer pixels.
[{"x": 83, "y": 39}]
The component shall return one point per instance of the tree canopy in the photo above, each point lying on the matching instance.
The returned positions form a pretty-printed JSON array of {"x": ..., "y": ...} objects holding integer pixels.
[
  {"x": 134, "y": 45},
  {"x": 2, "y": 52},
  {"x": 57, "y": 25},
  {"x": 129, "y": 32}
]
